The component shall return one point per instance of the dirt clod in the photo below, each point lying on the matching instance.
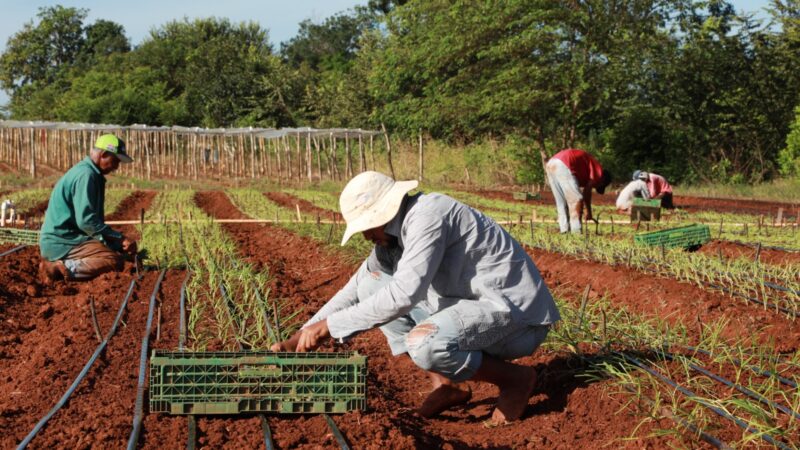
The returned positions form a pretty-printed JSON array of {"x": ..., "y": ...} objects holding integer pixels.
[
  {"x": 33, "y": 290},
  {"x": 46, "y": 311}
]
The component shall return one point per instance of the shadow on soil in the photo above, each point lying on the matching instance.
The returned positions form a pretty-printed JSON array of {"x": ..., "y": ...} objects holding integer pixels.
[{"x": 560, "y": 377}]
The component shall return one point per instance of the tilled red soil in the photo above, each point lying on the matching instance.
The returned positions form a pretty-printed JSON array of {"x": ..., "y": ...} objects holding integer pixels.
[
  {"x": 131, "y": 207},
  {"x": 38, "y": 210},
  {"x": 47, "y": 339},
  {"x": 672, "y": 300},
  {"x": 733, "y": 250},
  {"x": 571, "y": 414},
  {"x": 291, "y": 202},
  {"x": 692, "y": 204}
]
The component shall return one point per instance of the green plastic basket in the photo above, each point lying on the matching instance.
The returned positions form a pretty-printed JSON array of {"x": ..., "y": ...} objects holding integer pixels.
[
  {"x": 19, "y": 236},
  {"x": 256, "y": 382},
  {"x": 687, "y": 236},
  {"x": 645, "y": 209},
  {"x": 655, "y": 203}
]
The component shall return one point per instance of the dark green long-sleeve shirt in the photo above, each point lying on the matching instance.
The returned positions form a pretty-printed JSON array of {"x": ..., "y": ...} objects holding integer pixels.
[{"x": 75, "y": 212}]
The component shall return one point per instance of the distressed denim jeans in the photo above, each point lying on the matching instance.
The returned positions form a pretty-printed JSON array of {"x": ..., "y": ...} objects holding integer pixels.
[
  {"x": 458, "y": 332},
  {"x": 567, "y": 195}
]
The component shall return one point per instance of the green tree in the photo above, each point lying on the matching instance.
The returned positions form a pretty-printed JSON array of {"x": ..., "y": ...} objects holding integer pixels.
[
  {"x": 104, "y": 38},
  {"x": 789, "y": 156},
  {"x": 40, "y": 60},
  {"x": 115, "y": 91},
  {"x": 222, "y": 74},
  {"x": 39, "y": 52},
  {"x": 330, "y": 44},
  {"x": 728, "y": 94}
]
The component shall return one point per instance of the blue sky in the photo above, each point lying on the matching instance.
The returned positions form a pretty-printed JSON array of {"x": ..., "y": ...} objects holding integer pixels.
[{"x": 280, "y": 17}]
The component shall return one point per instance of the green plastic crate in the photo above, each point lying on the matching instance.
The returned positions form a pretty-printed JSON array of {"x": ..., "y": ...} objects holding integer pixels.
[
  {"x": 688, "y": 236},
  {"x": 256, "y": 382},
  {"x": 645, "y": 209},
  {"x": 19, "y": 236},
  {"x": 654, "y": 203}
]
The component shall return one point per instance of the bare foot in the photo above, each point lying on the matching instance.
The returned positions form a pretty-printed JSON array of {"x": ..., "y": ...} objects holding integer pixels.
[
  {"x": 443, "y": 398},
  {"x": 513, "y": 400}
]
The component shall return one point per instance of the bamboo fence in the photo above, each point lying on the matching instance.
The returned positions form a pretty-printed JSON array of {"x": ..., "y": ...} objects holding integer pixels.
[{"x": 195, "y": 153}]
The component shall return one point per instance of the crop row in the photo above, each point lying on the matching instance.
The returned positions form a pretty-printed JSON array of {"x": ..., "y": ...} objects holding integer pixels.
[
  {"x": 724, "y": 225},
  {"x": 778, "y": 286},
  {"x": 773, "y": 285},
  {"x": 608, "y": 337},
  {"x": 252, "y": 318}
]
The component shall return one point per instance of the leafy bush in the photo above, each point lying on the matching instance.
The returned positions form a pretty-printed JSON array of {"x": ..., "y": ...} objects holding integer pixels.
[{"x": 789, "y": 157}]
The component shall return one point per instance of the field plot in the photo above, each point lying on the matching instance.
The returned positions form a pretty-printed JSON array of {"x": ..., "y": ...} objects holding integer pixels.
[{"x": 657, "y": 348}]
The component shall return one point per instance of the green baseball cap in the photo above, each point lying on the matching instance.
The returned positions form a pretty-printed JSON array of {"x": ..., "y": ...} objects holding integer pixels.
[{"x": 113, "y": 144}]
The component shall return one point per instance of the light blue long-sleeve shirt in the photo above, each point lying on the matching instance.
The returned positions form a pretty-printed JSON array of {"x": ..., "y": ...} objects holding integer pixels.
[{"x": 447, "y": 251}]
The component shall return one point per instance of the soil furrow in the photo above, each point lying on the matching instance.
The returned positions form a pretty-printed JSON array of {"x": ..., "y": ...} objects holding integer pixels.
[
  {"x": 49, "y": 339},
  {"x": 669, "y": 299},
  {"x": 691, "y": 204},
  {"x": 733, "y": 250},
  {"x": 572, "y": 413},
  {"x": 291, "y": 202}
]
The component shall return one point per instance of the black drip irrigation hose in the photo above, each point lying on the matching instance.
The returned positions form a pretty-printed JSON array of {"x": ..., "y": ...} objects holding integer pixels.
[
  {"x": 13, "y": 250},
  {"x": 757, "y": 370},
  {"x": 190, "y": 444},
  {"x": 267, "y": 433},
  {"x": 739, "y": 422},
  {"x": 182, "y": 319},
  {"x": 738, "y": 387},
  {"x": 716, "y": 443},
  {"x": 139, "y": 407},
  {"x": 192, "y": 421},
  {"x": 336, "y": 433},
  {"x": 264, "y": 425},
  {"x": 100, "y": 348},
  {"x": 765, "y": 247},
  {"x": 769, "y": 305},
  {"x": 689, "y": 393},
  {"x": 791, "y": 312},
  {"x": 777, "y": 307}
]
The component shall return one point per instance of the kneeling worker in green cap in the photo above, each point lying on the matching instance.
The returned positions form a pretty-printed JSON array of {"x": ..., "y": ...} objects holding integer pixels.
[{"x": 75, "y": 242}]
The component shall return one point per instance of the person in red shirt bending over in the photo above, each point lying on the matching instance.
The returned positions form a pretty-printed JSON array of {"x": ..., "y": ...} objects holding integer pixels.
[
  {"x": 572, "y": 174},
  {"x": 657, "y": 186}
]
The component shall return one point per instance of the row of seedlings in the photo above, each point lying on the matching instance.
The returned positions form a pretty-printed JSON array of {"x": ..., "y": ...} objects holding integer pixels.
[
  {"x": 229, "y": 306},
  {"x": 620, "y": 339}
]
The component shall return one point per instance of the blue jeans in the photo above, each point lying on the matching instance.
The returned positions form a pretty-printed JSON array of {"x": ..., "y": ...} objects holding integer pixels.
[{"x": 458, "y": 332}]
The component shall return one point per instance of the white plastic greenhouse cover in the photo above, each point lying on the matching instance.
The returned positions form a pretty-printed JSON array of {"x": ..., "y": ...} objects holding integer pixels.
[{"x": 268, "y": 133}]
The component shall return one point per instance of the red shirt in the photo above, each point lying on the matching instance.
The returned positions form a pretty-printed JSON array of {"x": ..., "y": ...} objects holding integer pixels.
[
  {"x": 657, "y": 185},
  {"x": 583, "y": 166}
]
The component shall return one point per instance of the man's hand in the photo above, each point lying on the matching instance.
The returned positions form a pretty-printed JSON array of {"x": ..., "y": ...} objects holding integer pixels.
[
  {"x": 129, "y": 246},
  {"x": 307, "y": 339},
  {"x": 289, "y": 345}
]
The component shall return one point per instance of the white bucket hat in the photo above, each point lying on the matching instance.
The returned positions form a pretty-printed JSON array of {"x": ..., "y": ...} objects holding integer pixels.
[{"x": 371, "y": 199}]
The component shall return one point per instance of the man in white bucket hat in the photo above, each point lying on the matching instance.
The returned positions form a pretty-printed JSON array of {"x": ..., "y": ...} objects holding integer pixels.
[{"x": 447, "y": 285}]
